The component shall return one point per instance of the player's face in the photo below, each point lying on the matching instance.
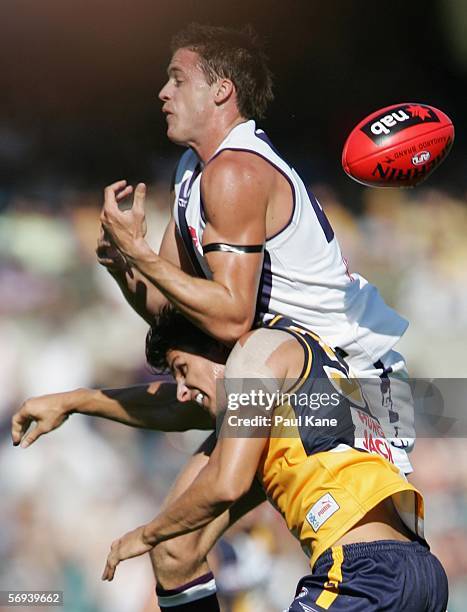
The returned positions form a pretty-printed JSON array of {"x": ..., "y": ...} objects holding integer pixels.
[
  {"x": 188, "y": 99},
  {"x": 196, "y": 378}
]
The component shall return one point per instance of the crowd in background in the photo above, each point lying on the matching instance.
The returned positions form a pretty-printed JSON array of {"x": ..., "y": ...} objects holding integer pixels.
[{"x": 64, "y": 324}]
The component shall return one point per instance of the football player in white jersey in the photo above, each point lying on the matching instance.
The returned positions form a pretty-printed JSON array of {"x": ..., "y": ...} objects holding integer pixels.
[{"x": 246, "y": 240}]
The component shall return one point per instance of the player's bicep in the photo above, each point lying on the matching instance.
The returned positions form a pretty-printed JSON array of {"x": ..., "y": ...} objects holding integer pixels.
[
  {"x": 235, "y": 194},
  {"x": 235, "y": 202}
]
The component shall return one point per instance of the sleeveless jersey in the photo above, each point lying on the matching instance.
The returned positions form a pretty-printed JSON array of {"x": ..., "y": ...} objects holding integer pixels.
[
  {"x": 304, "y": 275},
  {"x": 324, "y": 477}
]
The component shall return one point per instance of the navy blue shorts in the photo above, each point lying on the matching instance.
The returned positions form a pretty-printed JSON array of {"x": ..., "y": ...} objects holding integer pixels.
[{"x": 378, "y": 576}]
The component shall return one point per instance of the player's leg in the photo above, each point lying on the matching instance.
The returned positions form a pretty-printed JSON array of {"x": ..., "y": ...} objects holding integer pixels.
[
  {"x": 184, "y": 580},
  {"x": 177, "y": 561}
]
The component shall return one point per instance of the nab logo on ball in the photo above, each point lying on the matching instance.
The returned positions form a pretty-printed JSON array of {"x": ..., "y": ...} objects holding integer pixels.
[
  {"x": 400, "y": 118},
  {"x": 398, "y": 146}
]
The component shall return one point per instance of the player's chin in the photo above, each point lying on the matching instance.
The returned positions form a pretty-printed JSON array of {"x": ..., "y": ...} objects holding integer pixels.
[{"x": 175, "y": 135}]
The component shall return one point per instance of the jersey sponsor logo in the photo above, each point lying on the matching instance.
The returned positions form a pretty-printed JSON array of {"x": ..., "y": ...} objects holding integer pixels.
[
  {"x": 321, "y": 511},
  {"x": 377, "y": 446},
  {"x": 421, "y": 158},
  {"x": 369, "y": 435},
  {"x": 385, "y": 125}
]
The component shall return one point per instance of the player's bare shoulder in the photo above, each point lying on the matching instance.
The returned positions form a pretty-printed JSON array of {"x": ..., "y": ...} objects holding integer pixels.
[
  {"x": 265, "y": 354},
  {"x": 241, "y": 163},
  {"x": 237, "y": 173}
]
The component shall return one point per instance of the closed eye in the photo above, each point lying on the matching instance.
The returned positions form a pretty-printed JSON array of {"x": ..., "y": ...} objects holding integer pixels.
[{"x": 180, "y": 370}]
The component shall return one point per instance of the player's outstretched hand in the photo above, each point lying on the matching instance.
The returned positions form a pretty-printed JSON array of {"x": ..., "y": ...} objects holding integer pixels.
[
  {"x": 125, "y": 228},
  {"x": 130, "y": 545},
  {"x": 47, "y": 411}
]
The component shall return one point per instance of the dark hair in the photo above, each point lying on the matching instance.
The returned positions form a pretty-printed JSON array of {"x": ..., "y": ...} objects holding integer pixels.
[
  {"x": 232, "y": 54},
  {"x": 171, "y": 330}
]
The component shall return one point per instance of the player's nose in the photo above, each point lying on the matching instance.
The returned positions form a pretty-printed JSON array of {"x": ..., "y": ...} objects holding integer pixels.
[
  {"x": 183, "y": 393},
  {"x": 164, "y": 93}
]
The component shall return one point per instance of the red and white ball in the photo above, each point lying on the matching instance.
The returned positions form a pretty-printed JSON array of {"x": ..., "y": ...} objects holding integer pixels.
[{"x": 398, "y": 146}]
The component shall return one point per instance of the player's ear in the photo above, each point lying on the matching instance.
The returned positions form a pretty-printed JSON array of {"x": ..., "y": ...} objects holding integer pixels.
[{"x": 224, "y": 88}]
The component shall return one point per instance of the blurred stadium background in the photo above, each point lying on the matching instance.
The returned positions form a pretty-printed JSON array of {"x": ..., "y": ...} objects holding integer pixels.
[{"x": 78, "y": 110}]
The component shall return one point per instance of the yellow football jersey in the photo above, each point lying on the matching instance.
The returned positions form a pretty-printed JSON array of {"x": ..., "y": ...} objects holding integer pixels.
[{"x": 325, "y": 468}]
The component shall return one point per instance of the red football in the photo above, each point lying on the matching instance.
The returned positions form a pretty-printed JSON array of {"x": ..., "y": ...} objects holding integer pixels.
[{"x": 398, "y": 146}]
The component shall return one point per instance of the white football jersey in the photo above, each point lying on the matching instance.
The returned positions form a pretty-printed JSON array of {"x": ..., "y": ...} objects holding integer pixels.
[{"x": 304, "y": 276}]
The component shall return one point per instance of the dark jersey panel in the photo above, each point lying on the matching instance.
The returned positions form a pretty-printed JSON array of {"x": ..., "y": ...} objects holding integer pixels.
[{"x": 326, "y": 400}]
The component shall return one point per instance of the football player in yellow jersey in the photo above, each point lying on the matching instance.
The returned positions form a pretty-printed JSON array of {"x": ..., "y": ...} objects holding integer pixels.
[{"x": 292, "y": 417}]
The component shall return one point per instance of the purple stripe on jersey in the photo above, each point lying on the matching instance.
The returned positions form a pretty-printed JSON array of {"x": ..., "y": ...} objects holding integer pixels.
[
  {"x": 265, "y": 138},
  {"x": 264, "y": 289},
  {"x": 321, "y": 215},
  {"x": 183, "y": 198}
]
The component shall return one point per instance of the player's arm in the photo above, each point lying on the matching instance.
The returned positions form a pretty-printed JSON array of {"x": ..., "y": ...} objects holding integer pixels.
[
  {"x": 149, "y": 406},
  {"x": 227, "y": 476},
  {"x": 141, "y": 294},
  {"x": 229, "y": 473},
  {"x": 235, "y": 188}
]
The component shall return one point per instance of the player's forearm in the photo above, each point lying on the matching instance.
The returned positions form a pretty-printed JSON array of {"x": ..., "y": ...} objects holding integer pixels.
[
  {"x": 206, "y": 499},
  {"x": 209, "y": 304},
  {"x": 140, "y": 293},
  {"x": 149, "y": 406}
]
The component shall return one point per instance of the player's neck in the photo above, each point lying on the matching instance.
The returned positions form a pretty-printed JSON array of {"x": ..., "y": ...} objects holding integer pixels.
[{"x": 213, "y": 137}]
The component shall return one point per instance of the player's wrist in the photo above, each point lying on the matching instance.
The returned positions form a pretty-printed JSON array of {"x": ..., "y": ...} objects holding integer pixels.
[
  {"x": 149, "y": 535},
  {"x": 139, "y": 251},
  {"x": 76, "y": 401}
]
